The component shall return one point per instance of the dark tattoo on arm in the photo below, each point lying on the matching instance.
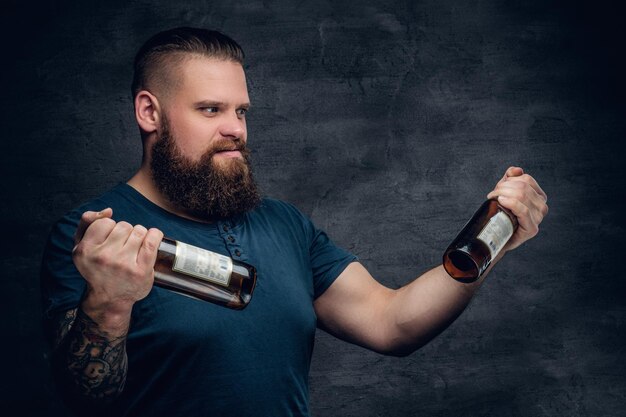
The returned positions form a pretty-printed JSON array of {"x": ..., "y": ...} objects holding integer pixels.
[
  {"x": 64, "y": 326},
  {"x": 94, "y": 365}
]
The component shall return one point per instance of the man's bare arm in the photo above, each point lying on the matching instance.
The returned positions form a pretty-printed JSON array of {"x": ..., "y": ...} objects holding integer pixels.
[
  {"x": 116, "y": 260},
  {"x": 90, "y": 362},
  {"x": 358, "y": 309}
]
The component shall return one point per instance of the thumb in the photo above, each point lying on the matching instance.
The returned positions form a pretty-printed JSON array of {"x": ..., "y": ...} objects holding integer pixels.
[
  {"x": 149, "y": 248},
  {"x": 513, "y": 172}
]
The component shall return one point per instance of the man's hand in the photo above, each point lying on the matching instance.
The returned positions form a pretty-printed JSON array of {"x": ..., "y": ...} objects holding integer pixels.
[
  {"x": 117, "y": 261},
  {"x": 521, "y": 194}
]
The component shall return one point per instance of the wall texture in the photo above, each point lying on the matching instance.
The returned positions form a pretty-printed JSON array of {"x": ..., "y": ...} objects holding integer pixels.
[{"x": 387, "y": 123}]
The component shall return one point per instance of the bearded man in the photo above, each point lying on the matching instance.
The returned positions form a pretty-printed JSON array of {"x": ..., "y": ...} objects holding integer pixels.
[{"x": 124, "y": 347}]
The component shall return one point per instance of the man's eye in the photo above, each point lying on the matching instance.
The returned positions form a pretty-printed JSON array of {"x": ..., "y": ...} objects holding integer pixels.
[
  {"x": 209, "y": 109},
  {"x": 242, "y": 112}
]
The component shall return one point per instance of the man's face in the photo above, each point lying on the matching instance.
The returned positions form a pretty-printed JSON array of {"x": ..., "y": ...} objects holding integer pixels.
[
  {"x": 206, "y": 107},
  {"x": 200, "y": 162}
]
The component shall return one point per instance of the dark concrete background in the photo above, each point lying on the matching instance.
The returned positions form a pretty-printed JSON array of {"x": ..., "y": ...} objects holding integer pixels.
[{"x": 387, "y": 122}]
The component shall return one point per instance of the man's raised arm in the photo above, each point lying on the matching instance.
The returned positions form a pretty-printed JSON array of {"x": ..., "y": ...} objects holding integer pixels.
[{"x": 358, "y": 309}]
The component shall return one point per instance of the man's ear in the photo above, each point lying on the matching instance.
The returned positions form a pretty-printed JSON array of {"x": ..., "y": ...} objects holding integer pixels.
[{"x": 147, "y": 111}]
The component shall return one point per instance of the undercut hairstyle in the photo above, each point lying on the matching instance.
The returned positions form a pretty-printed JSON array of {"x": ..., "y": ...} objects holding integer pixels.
[{"x": 161, "y": 54}]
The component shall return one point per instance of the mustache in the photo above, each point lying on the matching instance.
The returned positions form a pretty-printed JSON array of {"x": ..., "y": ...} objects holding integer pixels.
[{"x": 227, "y": 145}]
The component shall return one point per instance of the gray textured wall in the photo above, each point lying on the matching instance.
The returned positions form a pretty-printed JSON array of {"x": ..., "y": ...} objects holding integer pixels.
[{"x": 387, "y": 122}]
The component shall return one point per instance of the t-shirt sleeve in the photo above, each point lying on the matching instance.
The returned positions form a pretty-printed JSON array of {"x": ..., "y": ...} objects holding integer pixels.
[
  {"x": 327, "y": 261},
  {"x": 62, "y": 286}
]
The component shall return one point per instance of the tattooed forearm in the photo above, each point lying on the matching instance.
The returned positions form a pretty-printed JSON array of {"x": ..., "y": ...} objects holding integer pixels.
[{"x": 93, "y": 364}]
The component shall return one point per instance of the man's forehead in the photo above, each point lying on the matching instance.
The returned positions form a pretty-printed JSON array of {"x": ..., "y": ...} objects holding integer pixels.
[{"x": 210, "y": 79}]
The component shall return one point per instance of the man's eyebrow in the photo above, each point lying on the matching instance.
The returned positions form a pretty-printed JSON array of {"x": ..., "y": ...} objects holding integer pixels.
[{"x": 213, "y": 103}]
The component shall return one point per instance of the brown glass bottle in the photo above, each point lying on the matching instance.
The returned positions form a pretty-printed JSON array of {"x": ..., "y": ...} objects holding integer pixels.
[
  {"x": 479, "y": 242},
  {"x": 203, "y": 274}
]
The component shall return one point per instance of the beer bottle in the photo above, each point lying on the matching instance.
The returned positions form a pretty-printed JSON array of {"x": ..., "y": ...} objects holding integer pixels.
[
  {"x": 203, "y": 274},
  {"x": 479, "y": 242}
]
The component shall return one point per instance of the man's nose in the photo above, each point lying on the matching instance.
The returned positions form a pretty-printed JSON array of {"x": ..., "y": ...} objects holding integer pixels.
[{"x": 233, "y": 126}]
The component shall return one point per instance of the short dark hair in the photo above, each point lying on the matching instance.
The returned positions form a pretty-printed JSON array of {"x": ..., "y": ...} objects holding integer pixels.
[{"x": 169, "y": 47}]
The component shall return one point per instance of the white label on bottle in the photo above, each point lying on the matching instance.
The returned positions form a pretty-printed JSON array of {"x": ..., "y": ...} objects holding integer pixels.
[
  {"x": 496, "y": 233},
  {"x": 203, "y": 264}
]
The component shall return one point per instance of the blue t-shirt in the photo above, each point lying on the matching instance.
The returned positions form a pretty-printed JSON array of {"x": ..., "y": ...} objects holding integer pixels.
[{"x": 193, "y": 358}]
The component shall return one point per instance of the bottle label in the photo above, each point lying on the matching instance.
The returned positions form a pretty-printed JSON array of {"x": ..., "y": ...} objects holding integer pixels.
[
  {"x": 496, "y": 233},
  {"x": 203, "y": 264}
]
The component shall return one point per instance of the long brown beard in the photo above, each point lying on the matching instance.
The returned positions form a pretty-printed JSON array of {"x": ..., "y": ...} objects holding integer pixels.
[{"x": 204, "y": 189}]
